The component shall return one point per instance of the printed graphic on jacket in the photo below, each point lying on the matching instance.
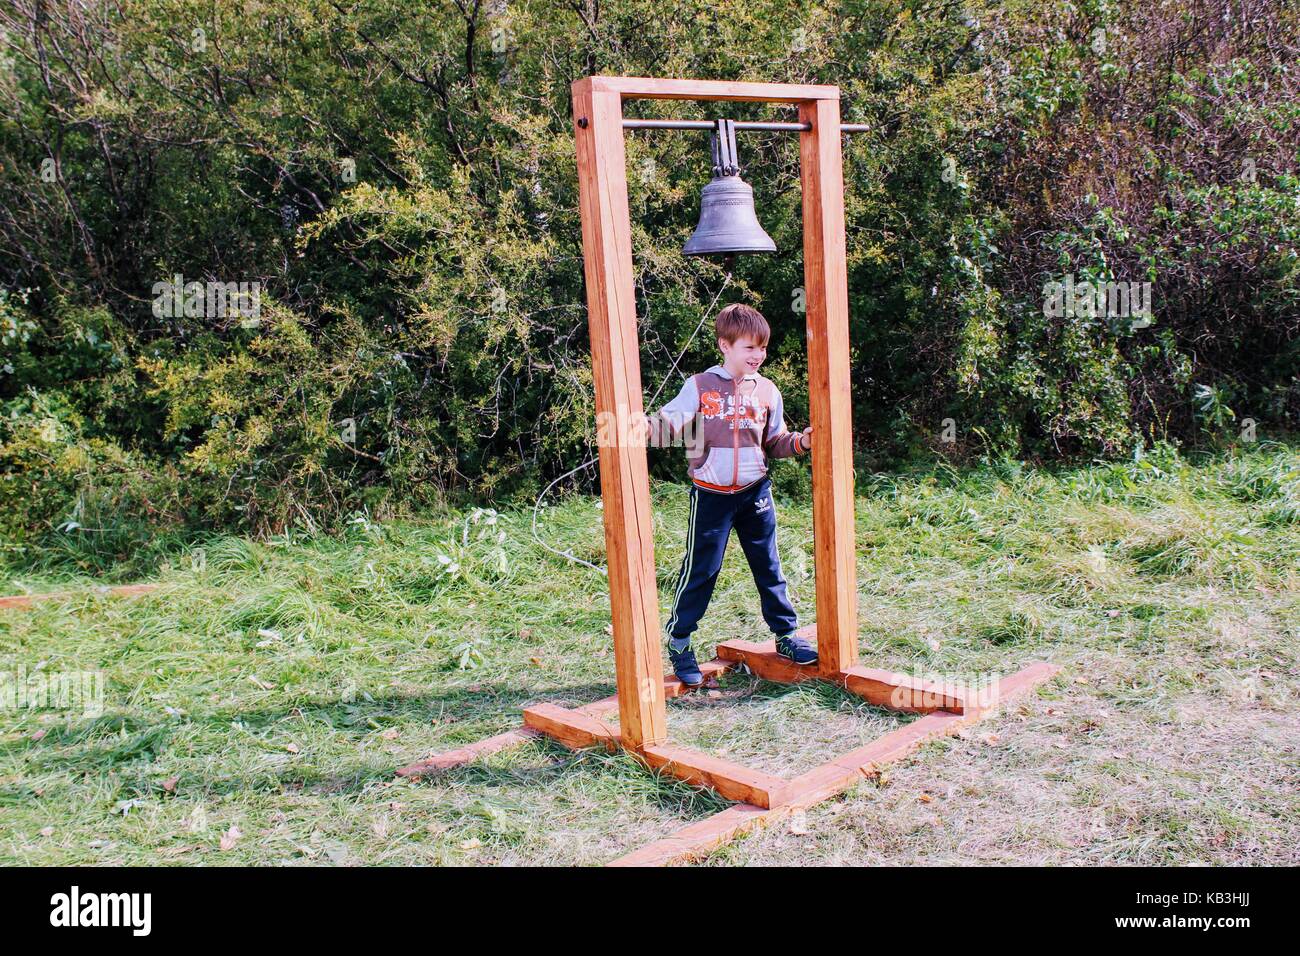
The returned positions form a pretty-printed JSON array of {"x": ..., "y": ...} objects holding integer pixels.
[{"x": 739, "y": 425}]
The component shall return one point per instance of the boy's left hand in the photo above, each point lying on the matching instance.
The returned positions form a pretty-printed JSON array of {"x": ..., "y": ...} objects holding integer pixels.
[{"x": 806, "y": 438}]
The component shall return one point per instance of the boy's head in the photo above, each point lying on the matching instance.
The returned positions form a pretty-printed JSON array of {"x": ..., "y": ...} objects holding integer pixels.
[{"x": 742, "y": 337}]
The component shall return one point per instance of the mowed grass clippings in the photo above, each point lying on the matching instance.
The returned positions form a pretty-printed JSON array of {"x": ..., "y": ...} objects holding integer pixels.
[{"x": 257, "y": 705}]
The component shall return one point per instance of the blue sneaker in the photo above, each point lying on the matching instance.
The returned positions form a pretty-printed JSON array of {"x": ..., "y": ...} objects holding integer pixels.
[
  {"x": 686, "y": 667},
  {"x": 796, "y": 649}
]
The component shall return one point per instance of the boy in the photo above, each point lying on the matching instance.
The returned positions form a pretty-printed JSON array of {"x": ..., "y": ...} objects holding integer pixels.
[{"x": 740, "y": 420}]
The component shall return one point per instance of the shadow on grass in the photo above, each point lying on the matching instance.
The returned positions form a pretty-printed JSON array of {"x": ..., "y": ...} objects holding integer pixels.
[
  {"x": 127, "y": 746},
  {"x": 114, "y": 740},
  {"x": 738, "y": 690}
]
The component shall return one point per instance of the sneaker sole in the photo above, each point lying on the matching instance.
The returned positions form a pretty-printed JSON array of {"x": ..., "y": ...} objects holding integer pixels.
[{"x": 795, "y": 662}]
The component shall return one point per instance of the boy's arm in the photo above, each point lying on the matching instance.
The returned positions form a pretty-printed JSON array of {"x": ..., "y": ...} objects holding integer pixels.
[
  {"x": 778, "y": 442},
  {"x": 672, "y": 418}
]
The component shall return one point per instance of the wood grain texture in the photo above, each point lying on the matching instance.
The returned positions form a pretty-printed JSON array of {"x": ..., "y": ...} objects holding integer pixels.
[
  {"x": 896, "y": 691},
  {"x": 649, "y": 87},
  {"x": 699, "y": 839},
  {"x": 901, "y": 692},
  {"x": 826, "y": 286},
  {"x": 765, "y": 663},
  {"x": 572, "y": 728},
  {"x": 616, "y": 368},
  {"x": 729, "y": 779}
]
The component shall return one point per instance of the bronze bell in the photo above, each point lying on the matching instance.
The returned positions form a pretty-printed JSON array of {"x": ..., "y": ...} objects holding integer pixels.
[{"x": 728, "y": 223}]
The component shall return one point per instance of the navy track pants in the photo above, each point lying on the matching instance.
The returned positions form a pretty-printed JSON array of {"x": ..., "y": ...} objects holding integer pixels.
[{"x": 713, "y": 514}]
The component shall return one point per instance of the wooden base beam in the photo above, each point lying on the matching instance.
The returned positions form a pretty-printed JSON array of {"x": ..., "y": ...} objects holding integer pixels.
[
  {"x": 121, "y": 590},
  {"x": 466, "y": 754},
  {"x": 762, "y": 797},
  {"x": 699, "y": 839},
  {"x": 572, "y": 728},
  {"x": 575, "y": 729},
  {"x": 729, "y": 779},
  {"x": 600, "y": 709},
  {"x": 883, "y": 688}
]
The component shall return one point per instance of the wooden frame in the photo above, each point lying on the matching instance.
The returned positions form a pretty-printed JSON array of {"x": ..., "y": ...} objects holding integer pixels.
[
  {"x": 615, "y": 350},
  {"x": 625, "y": 489}
]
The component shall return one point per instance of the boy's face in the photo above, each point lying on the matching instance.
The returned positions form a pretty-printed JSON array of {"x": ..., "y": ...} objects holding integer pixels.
[{"x": 742, "y": 356}]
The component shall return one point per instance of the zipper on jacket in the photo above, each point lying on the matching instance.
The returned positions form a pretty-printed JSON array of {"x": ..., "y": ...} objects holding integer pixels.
[{"x": 735, "y": 432}]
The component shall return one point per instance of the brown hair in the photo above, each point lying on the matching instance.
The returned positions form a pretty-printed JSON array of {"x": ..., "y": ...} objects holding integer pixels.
[{"x": 739, "y": 319}]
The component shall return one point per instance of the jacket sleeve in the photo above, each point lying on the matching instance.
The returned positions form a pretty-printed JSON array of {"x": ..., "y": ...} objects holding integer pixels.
[
  {"x": 666, "y": 426},
  {"x": 777, "y": 441}
]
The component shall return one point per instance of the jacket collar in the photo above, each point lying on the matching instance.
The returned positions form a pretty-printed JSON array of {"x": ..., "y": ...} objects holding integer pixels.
[{"x": 721, "y": 372}]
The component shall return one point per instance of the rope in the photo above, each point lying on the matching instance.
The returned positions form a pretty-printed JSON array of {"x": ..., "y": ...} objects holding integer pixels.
[{"x": 596, "y": 457}]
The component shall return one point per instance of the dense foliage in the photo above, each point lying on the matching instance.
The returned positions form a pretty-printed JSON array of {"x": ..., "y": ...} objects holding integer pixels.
[{"x": 399, "y": 179}]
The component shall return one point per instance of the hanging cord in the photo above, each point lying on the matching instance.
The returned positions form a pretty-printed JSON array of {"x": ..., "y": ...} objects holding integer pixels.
[{"x": 594, "y": 458}]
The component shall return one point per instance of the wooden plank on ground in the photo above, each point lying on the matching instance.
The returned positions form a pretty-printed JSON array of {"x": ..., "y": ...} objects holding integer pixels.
[
  {"x": 765, "y": 663},
  {"x": 841, "y": 772},
  {"x": 699, "y": 839},
  {"x": 731, "y": 780},
  {"x": 710, "y": 669},
  {"x": 603, "y": 708},
  {"x": 880, "y": 687},
  {"x": 470, "y": 752},
  {"x": 844, "y": 771},
  {"x": 17, "y": 601},
  {"x": 572, "y": 728},
  {"x": 899, "y": 691}
]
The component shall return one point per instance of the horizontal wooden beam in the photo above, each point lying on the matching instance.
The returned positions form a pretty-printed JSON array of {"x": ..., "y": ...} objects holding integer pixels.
[
  {"x": 655, "y": 88},
  {"x": 710, "y": 669},
  {"x": 729, "y": 779},
  {"x": 572, "y": 728},
  {"x": 16, "y": 601},
  {"x": 842, "y": 772},
  {"x": 764, "y": 662},
  {"x": 901, "y": 692},
  {"x": 576, "y": 729},
  {"x": 599, "y": 709},
  {"x": 470, "y": 752},
  {"x": 896, "y": 691},
  {"x": 764, "y": 797},
  {"x": 699, "y": 839}
]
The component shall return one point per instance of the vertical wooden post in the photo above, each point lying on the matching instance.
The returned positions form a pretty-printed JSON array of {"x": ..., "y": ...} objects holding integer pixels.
[
  {"x": 616, "y": 366},
  {"x": 826, "y": 295}
]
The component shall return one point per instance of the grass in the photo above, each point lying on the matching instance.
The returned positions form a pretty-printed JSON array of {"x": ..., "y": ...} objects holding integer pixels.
[{"x": 261, "y": 699}]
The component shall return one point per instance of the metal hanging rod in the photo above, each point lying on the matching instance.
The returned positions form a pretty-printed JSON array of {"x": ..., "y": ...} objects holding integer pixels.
[{"x": 739, "y": 125}]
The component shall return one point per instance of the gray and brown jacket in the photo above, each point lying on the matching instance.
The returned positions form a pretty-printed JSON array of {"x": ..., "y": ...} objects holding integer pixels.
[{"x": 737, "y": 426}]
